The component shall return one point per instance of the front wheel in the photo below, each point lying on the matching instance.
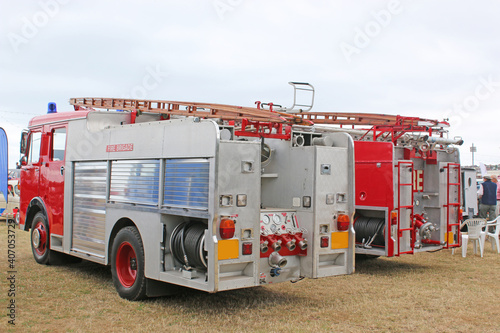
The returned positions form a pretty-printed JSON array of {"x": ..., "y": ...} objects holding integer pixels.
[
  {"x": 40, "y": 239},
  {"x": 127, "y": 264}
]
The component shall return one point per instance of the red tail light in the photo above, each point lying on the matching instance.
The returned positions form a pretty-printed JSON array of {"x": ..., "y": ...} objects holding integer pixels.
[
  {"x": 394, "y": 217},
  {"x": 247, "y": 248},
  {"x": 324, "y": 241},
  {"x": 343, "y": 222},
  {"x": 226, "y": 228}
]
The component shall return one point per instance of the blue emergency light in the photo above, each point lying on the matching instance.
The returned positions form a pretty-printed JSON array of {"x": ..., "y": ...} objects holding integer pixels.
[{"x": 52, "y": 108}]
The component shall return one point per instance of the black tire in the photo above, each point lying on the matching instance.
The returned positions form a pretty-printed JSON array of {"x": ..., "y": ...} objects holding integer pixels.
[
  {"x": 127, "y": 264},
  {"x": 40, "y": 239}
]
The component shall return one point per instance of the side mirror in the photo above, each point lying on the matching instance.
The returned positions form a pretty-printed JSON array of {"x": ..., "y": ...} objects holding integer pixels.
[
  {"x": 24, "y": 160},
  {"x": 24, "y": 141}
]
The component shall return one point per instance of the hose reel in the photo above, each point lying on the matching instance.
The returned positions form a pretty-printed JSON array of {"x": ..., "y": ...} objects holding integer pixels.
[
  {"x": 369, "y": 231},
  {"x": 187, "y": 244}
]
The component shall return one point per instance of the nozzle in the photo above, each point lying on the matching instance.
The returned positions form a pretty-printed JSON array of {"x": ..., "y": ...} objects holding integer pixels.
[
  {"x": 276, "y": 260},
  {"x": 301, "y": 242}
]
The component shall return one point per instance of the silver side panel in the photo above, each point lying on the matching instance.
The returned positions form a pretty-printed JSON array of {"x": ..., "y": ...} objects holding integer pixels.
[
  {"x": 135, "y": 181},
  {"x": 186, "y": 183},
  {"x": 89, "y": 208},
  {"x": 320, "y": 173}
]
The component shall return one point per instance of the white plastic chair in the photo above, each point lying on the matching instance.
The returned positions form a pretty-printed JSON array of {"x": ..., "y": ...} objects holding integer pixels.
[
  {"x": 493, "y": 235},
  {"x": 475, "y": 233}
]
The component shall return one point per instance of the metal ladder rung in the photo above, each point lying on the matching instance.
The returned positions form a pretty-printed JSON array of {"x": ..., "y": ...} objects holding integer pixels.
[{"x": 402, "y": 231}]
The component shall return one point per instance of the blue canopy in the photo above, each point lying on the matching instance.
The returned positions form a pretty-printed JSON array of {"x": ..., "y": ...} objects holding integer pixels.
[{"x": 4, "y": 170}]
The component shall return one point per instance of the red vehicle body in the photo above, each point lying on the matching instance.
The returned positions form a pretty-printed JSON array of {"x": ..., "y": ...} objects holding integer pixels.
[
  {"x": 413, "y": 197},
  {"x": 168, "y": 199},
  {"x": 43, "y": 188},
  {"x": 407, "y": 177}
]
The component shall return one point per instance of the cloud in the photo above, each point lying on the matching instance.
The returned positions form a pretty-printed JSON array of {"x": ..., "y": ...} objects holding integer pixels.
[{"x": 428, "y": 57}]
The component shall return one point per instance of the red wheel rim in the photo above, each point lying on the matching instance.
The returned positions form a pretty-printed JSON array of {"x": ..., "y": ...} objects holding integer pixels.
[
  {"x": 126, "y": 264},
  {"x": 39, "y": 238}
]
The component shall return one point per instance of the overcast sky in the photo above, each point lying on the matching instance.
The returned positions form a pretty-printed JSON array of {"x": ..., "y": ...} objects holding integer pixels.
[{"x": 433, "y": 59}]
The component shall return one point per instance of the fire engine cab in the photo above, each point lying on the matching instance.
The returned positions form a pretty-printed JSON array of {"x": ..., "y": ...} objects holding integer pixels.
[{"x": 206, "y": 196}]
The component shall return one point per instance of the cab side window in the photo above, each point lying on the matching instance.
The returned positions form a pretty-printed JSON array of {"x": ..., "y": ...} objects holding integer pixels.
[
  {"x": 58, "y": 144},
  {"x": 34, "y": 148}
]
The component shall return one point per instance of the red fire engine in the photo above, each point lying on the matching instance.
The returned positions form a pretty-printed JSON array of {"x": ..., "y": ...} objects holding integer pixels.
[
  {"x": 407, "y": 177},
  {"x": 206, "y": 196}
]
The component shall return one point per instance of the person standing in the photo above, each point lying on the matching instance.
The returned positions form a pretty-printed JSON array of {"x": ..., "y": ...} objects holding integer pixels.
[
  {"x": 494, "y": 179},
  {"x": 498, "y": 196},
  {"x": 488, "y": 199}
]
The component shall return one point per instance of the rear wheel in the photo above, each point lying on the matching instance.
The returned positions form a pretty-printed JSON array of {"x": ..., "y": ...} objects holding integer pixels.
[
  {"x": 40, "y": 239},
  {"x": 127, "y": 264}
]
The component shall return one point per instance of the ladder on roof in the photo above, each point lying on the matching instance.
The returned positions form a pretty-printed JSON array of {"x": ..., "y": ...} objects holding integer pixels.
[
  {"x": 381, "y": 121},
  {"x": 232, "y": 112},
  {"x": 252, "y": 121},
  {"x": 189, "y": 109},
  {"x": 377, "y": 125},
  {"x": 267, "y": 123}
]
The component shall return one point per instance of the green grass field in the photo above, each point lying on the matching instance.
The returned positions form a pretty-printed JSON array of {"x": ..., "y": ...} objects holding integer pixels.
[{"x": 426, "y": 292}]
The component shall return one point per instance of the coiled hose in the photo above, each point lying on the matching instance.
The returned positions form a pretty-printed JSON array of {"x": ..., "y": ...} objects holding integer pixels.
[
  {"x": 369, "y": 230},
  {"x": 187, "y": 244}
]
